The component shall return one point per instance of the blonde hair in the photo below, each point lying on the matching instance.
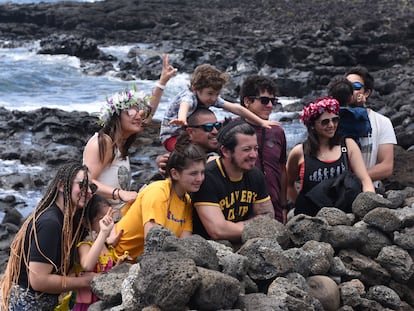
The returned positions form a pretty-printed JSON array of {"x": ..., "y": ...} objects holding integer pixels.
[{"x": 19, "y": 251}]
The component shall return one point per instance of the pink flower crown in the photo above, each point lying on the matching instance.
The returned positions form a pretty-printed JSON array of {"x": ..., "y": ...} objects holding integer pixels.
[{"x": 314, "y": 109}]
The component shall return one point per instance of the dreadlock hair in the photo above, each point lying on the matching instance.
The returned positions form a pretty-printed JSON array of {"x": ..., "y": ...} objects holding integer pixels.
[
  {"x": 113, "y": 130},
  {"x": 71, "y": 230}
]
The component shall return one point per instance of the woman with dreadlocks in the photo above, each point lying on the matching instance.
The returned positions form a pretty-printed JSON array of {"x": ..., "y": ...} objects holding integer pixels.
[
  {"x": 123, "y": 117},
  {"x": 42, "y": 252}
]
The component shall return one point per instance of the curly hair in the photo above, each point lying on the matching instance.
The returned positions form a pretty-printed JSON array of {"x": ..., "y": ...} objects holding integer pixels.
[{"x": 205, "y": 76}]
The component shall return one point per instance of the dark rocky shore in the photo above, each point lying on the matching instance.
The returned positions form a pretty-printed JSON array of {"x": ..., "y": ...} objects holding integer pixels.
[{"x": 302, "y": 45}]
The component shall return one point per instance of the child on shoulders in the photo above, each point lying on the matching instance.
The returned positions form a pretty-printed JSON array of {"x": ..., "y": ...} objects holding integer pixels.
[{"x": 205, "y": 87}]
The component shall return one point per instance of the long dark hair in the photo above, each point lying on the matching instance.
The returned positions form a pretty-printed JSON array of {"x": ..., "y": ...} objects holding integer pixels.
[{"x": 311, "y": 144}]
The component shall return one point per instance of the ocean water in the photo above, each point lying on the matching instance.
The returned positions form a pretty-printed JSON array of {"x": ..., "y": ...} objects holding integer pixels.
[{"x": 29, "y": 81}]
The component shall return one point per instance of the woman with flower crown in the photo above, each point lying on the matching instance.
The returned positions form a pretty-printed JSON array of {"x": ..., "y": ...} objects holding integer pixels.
[
  {"x": 321, "y": 157},
  {"x": 123, "y": 117}
]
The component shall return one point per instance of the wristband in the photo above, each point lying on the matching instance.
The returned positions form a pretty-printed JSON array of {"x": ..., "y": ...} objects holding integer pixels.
[
  {"x": 113, "y": 193},
  {"x": 160, "y": 86},
  {"x": 119, "y": 197}
]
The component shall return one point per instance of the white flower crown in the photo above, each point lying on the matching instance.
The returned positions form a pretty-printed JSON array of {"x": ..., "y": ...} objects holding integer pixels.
[{"x": 124, "y": 100}]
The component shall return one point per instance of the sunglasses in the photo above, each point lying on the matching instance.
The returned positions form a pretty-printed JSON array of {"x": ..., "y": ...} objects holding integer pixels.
[
  {"x": 357, "y": 86},
  {"x": 208, "y": 127},
  {"x": 81, "y": 183},
  {"x": 264, "y": 100},
  {"x": 133, "y": 111},
  {"x": 325, "y": 122}
]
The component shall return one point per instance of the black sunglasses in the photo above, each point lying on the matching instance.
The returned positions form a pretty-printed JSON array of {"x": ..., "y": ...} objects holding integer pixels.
[
  {"x": 357, "y": 86},
  {"x": 264, "y": 100},
  {"x": 92, "y": 186},
  {"x": 208, "y": 127},
  {"x": 325, "y": 122}
]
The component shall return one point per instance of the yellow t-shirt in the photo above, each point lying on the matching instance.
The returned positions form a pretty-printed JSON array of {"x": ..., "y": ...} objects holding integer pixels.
[{"x": 153, "y": 203}]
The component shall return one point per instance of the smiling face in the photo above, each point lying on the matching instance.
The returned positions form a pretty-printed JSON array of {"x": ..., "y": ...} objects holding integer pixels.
[
  {"x": 326, "y": 125},
  {"x": 131, "y": 121},
  {"x": 198, "y": 136},
  {"x": 80, "y": 194},
  {"x": 189, "y": 179},
  {"x": 256, "y": 106},
  {"x": 207, "y": 96},
  {"x": 245, "y": 153}
]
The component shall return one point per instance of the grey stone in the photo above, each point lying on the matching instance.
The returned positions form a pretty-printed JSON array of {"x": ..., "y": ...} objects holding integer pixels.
[
  {"x": 384, "y": 219},
  {"x": 385, "y": 296},
  {"x": 343, "y": 236},
  {"x": 155, "y": 238},
  {"x": 167, "y": 280},
  {"x": 291, "y": 296},
  {"x": 335, "y": 216},
  {"x": 406, "y": 216},
  {"x": 300, "y": 259},
  {"x": 233, "y": 264},
  {"x": 375, "y": 240},
  {"x": 396, "y": 197},
  {"x": 321, "y": 256},
  {"x": 337, "y": 267},
  {"x": 367, "y": 201},
  {"x": 405, "y": 238},
  {"x": 304, "y": 228},
  {"x": 260, "y": 301},
  {"x": 366, "y": 269},
  {"x": 350, "y": 295},
  {"x": 194, "y": 247},
  {"x": 216, "y": 291},
  {"x": 397, "y": 261},
  {"x": 265, "y": 227},
  {"x": 107, "y": 285},
  {"x": 266, "y": 259}
]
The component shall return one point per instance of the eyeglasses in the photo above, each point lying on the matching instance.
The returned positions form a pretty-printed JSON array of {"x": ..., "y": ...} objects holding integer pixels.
[
  {"x": 357, "y": 86},
  {"x": 264, "y": 100},
  {"x": 133, "y": 111},
  {"x": 92, "y": 186},
  {"x": 208, "y": 127},
  {"x": 325, "y": 122}
]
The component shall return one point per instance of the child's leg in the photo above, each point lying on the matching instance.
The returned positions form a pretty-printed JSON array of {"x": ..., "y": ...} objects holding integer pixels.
[{"x": 169, "y": 144}]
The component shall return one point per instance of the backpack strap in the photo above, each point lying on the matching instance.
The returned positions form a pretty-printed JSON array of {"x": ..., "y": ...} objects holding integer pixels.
[{"x": 344, "y": 151}]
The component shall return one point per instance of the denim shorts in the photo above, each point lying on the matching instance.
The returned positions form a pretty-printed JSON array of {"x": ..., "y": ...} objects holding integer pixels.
[{"x": 23, "y": 299}]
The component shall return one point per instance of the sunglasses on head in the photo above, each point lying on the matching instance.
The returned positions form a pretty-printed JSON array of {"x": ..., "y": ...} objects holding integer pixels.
[
  {"x": 264, "y": 100},
  {"x": 357, "y": 86},
  {"x": 208, "y": 127},
  {"x": 325, "y": 122},
  {"x": 133, "y": 111},
  {"x": 92, "y": 186}
]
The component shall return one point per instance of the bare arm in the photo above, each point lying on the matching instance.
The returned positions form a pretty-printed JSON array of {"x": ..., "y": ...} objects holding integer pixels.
[
  {"x": 247, "y": 114},
  {"x": 292, "y": 171},
  {"x": 217, "y": 227},
  {"x": 283, "y": 192},
  {"x": 42, "y": 279},
  {"x": 167, "y": 73},
  {"x": 96, "y": 166},
  {"x": 89, "y": 255},
  {"x": 385, "y": 163},
  {"x": 182, "y": 114},
  {"x": 357, "y": 165},
  {"x": 264, "y": 209}
]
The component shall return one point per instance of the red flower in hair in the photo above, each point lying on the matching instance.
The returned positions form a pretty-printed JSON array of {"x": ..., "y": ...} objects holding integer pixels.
[{"x": 314, "y": 109}]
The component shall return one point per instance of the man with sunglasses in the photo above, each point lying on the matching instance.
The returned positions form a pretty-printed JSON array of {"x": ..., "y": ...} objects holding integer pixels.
[
  {"x": 202, "y": 130},
  {"x": 258, "y": 94},
  {"x": 377, "y": 149}
]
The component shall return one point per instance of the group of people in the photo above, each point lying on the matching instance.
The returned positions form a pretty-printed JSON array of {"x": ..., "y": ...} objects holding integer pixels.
[{"x": 217, "y": 177}]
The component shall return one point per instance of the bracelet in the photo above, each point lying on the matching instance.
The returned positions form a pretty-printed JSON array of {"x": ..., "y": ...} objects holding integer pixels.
[
  {"x": 160, "y": 86},
  {"x": 113, "y": 193},
  {"x": 119, "y": 197}
]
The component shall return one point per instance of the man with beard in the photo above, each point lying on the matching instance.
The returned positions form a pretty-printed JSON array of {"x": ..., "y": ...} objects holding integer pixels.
[{"x": 234, "y": 189}]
